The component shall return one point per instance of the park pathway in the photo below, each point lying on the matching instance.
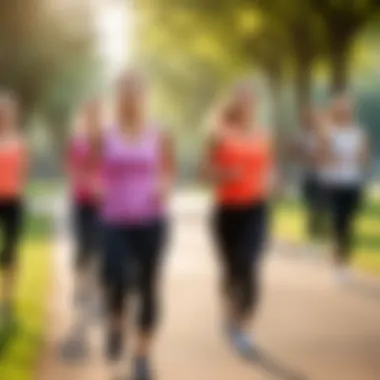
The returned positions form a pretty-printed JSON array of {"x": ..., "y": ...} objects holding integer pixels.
[{"x": 308, "y": 325}]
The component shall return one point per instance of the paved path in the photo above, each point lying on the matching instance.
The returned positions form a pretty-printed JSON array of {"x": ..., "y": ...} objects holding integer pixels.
[{"x": 308, "y": 325}]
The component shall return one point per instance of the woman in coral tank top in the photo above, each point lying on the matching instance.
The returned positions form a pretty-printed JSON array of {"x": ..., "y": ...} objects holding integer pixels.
[
  {"x": 239, "y": 164},
  {"x": 12, "y": 182}
]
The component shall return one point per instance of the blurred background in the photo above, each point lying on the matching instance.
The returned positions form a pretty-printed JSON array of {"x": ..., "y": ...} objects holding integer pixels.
[{"x": 55, "y": 53}]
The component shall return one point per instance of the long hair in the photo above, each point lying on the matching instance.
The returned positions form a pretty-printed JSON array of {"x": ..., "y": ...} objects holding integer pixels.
[{"x": 228, "y": 109}]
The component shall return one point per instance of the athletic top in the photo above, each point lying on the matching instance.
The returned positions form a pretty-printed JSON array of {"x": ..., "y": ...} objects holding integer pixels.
[
  {"x": 13, "y": 165},
  {"x": 84, "y": 170},
  {"x": 253, "y": 161},
  {"x": 345, "y": 168},
  {"x": 131, "y": 172}
]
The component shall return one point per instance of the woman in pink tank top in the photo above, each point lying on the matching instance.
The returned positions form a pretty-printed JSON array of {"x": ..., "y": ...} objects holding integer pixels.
[
  {"x": 13, "y": 177},
  {"x": 137, "y": 166},
  {"x": 83, "y": 171}
]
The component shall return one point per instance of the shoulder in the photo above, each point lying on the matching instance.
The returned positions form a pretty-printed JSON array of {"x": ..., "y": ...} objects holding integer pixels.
[
  {"x": 20, "y": 142},
  {"x": 266, "y": 135}
]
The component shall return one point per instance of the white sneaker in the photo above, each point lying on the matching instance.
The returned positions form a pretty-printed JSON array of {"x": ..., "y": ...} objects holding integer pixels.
[{"x": 242, "y": 342}]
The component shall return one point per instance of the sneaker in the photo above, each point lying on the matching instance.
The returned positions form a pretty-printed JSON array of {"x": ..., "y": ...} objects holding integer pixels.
[
  {"x": 142, "y": 369},
  {"x": 242, "y": 342},
  {"x": 114, "y": 346}
]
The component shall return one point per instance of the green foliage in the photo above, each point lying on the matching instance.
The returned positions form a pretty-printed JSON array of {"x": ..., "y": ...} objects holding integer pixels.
[
  {"x": 193, "y": 44},
  {"x": 44, "y": 47}
]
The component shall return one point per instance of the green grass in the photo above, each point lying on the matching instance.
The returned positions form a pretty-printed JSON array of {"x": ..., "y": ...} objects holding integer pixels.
[
  {"x": 289, "y": 224},
  {"x": 21, "y": 342},
  {"x": 41, "y": 188}
]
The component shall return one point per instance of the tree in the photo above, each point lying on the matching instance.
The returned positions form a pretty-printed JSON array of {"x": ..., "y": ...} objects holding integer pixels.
[
  {"x": 301, "y": 32},
  {"x": 37, "y": 40},
  {"x": 342, "y": 21}
]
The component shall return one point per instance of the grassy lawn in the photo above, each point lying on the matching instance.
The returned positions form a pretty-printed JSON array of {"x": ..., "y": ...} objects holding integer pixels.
[
  {"x": 20, "y": 343},
  {"x": 41, "y": 188},
  {"x": 290, "y": 225}
]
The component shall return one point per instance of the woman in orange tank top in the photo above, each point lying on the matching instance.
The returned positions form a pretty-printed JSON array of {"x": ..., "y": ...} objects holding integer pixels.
[
  {"x": 240, "y": 166},
  {"x": 12, "y": 183}
]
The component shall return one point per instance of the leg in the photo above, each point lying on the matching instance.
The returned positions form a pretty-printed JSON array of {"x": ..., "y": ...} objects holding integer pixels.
[
  {"x": 115, "y": 287},
  {"x": 252, "y": 236},
  {"x": 149, "y": 251},
  {"x": 311, "y": 214},
  {"x": 76, "y": 345},
  {"x": 12, "y": 223},
  {"x": 84, "y": 231},
  {"x": 352, "y": 201},
  {"x": 149, "y": 259},
  {"x": 225, "y": 231},
  {"x": 252, "y": 244}
]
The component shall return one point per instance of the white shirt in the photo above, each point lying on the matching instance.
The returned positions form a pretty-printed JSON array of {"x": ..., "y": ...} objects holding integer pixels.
[{"x": 346, "y": 145}]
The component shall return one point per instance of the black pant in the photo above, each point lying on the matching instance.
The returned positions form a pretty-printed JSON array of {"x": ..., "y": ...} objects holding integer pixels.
[
  {"x": 11, "y": 212},
  {"x": 240, "y": 235},
  {"x": 132, "y": 257},
  {"x": 87, "y": 233},
  {"x": 344, "y": 205},
  {"x": 316, "y": 206}
]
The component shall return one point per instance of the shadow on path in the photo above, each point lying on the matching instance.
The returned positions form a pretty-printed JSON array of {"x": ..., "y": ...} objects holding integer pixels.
[
  {"x": 273, "y": 367},
  {"x": 364, "y": 288}
]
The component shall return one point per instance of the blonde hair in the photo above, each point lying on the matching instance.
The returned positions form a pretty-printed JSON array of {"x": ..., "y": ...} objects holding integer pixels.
[
  {"x": 228, "y": 103},
  {"x": 77, "y": 120},
  {"x": 131, "y": 77},
  {"x": 8, "y": 101},
  {"x": 9, "y": 104}
]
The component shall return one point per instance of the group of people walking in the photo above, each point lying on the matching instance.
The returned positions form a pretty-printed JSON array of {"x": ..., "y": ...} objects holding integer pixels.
[
  {"x": 122, "y": 175},
  {"x": 335, "y": 155}
]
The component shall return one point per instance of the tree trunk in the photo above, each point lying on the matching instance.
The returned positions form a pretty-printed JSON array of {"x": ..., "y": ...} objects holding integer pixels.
[
  {"x": 275, "y": 88},
  {"x": 339, "y": 61},
  {"x": 303, "y": 84},
  {"x": 279, "y": 126}
]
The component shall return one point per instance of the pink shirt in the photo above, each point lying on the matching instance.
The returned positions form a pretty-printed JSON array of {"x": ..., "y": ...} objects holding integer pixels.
[
  {"x": 131, "y": 177},
  {"x": 84, "y": 171}
]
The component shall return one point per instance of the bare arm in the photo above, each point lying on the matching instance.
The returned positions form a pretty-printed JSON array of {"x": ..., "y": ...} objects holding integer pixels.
[
  {"x": 168, "y": 158},
  {"x": 207, "y": 169},
  {"x": 168, "y": 166},
  {"x": 210, "y": 171},
  {"x": 25, "y": 161}
]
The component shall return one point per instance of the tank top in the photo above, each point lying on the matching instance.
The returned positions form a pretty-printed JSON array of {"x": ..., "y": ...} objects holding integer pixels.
[
  {"x": 346, "y": 145},
  {"x": 131, "y": 172},
  {"x": 12, "y": 171},
  {"x": 84, "y": 170},
  {"x": 252, "y": 158}
]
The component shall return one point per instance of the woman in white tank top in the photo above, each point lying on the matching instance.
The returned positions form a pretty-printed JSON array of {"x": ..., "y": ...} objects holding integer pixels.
[{"x": 343, "y": 173}]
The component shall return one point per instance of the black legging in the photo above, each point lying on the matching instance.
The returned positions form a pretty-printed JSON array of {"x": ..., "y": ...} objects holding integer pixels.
[
  {"x": 316, "y": 205},
  {"x": 344, "y": 205},
  {"x": 240, "y": 234},
  {"x": 11, "y": 211},
  {"x": 87, "y": 231},
  {"x": 132, "y": 256}
]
